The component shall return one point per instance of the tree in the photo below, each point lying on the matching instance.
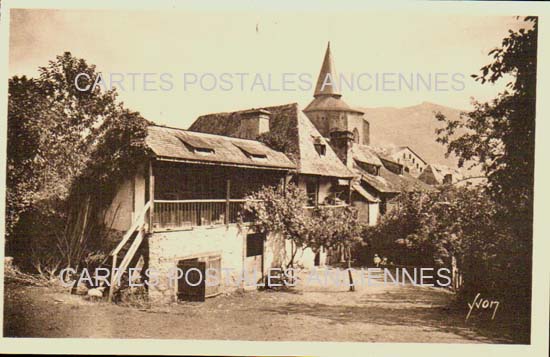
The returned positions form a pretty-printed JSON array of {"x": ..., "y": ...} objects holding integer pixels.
[
  {"x": 67, "y": 149},
  {"x": 283, "y": 213},
  {"x": 49, "y": 125},
  {"x": 336, "y": 229},
  {"x": 500, "y": 134},
  {"x": 500, "y": 138}
]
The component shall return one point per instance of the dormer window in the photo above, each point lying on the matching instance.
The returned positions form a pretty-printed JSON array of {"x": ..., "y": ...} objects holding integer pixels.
[
  {"x": 321, "y": 149},
  {"x": 370, "y": 168},
  {"x": 197, "y": 145},
  {"x": 252, "y": 152},
  {"x": 203, "y": 151}
]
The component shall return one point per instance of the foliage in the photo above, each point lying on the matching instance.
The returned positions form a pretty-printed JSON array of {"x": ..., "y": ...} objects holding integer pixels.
[
  {"x": 48, "y": 124},
  {"x": 500, "y": 134},
  {"x": 335, "y": 228},
  {"x": 500, "y": 138},
  {"x": 428, "y": 229},
  {"x": 67, "y": 151},
  {"x": 283, "y": 212},
  {"x": 277, "y": 141}
]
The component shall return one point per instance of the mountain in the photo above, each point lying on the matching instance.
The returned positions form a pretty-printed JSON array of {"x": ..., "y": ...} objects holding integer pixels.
[{"x": 411, "y": 126}]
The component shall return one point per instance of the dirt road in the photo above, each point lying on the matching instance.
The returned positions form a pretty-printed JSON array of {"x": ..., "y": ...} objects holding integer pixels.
[{"x": 374, "y": 314}]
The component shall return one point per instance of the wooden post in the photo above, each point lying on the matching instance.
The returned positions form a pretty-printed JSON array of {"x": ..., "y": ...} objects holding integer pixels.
[
  {"x": 227, "y": 197},
  {"x": 349, "y": 193},
  {"x": 317, "y": 192},
  {"x": 151, "y": 195},
  {"x": 113, "y": 279}
]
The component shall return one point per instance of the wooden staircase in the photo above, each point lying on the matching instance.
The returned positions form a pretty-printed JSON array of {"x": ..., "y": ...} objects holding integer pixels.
[{"x": 126, "y": 250}]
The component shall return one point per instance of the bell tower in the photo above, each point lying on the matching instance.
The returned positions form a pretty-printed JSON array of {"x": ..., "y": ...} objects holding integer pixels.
[{"x": 329, "y": 113}]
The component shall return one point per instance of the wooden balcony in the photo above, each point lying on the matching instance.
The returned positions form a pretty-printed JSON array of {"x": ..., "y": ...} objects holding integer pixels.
[{"x": 186, "y": 214}]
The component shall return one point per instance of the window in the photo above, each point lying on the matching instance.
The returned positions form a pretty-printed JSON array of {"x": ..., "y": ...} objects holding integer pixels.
[
  {"x": 252, "y": 151},
  {"x": 321, "y": 149},
  {"x": 196, "y": 145},
  {"x": 312, "y": 191},
  {"x": 356, "y": 136},
  {"x": 254, "y": 244}
]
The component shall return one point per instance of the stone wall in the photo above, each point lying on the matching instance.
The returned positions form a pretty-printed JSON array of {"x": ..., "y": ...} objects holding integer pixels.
[{"x": 167, "y": 248}]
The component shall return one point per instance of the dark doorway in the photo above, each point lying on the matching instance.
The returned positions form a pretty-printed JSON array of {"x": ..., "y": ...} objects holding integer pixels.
[
  {"x": 192, "y": 288},
  {"x": 254, "y": 257}
]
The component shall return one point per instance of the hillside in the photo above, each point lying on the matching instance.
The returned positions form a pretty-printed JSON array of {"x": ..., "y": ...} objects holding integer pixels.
[{"x": 411, "y": 126}]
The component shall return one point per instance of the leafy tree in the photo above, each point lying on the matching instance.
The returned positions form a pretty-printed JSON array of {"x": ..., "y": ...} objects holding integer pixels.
[
  {"x": 336, "y": 229},
  {"x": 500, "y": 138},
  {"x": 500, "y": 134},
  {"x": 67, "y": 151},
  {"x": 283, "y": 212},
  {"x": 49, "y": 125}
]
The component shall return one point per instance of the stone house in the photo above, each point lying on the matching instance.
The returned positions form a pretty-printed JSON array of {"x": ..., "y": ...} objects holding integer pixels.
[{"x": 182, "y": 209}]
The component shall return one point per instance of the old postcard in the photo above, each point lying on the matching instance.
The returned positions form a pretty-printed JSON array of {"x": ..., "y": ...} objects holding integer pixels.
[{"x": 274, "y": 179}]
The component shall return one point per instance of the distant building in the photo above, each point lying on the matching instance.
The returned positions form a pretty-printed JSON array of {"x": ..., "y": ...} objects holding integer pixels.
[
  {"x": 408, "y": 158},
  {"x": 435, "y": 174}
]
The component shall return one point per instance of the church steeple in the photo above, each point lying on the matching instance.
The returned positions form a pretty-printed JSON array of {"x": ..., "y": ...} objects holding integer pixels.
[
  {"x": 331, "y": 115},
  {"x": 328, "y": 77}
]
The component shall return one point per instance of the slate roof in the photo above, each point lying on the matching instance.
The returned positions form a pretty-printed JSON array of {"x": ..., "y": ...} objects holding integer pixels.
[
  {"x": 439, "y": 172},
  {"x": 328, "y": 103},
  {"x": 361, "y": 191},
  {"x": 389, "y": 182},
  {"x": 327, "y": 68},
  {"x": 289, "y": 122},
  {"x": 366, "y": 154},
  {"x": 190, "y": 146}
]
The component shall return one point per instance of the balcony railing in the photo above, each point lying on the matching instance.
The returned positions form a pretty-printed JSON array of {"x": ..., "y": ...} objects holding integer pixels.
[
  {"x": 185, "y": 214},
  {"x": 340, "y": 207}
]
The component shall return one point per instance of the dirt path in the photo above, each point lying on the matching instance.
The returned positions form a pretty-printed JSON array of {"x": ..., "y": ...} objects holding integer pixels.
[{"x": 373, "y": 314}]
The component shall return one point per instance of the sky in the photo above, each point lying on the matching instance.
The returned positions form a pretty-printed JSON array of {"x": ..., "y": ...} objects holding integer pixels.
[{"x": 205, "y": 44}]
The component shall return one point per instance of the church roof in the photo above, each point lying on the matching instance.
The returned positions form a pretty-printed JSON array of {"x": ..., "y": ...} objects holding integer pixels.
[
  {"x": 327, "y": 69},
  {"x": 327, "y": 94},
  {"x": 328, "y": 103},
  {"x": 288, "y": 122}
]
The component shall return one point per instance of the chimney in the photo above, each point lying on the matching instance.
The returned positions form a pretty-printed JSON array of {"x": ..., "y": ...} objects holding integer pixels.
[
  {"x": 254, "y": 122},
  {"x": 341, "y": 142}
]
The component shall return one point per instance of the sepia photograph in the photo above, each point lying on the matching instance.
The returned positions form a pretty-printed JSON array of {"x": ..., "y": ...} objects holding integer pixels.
[{"x": 319, "y": 175}]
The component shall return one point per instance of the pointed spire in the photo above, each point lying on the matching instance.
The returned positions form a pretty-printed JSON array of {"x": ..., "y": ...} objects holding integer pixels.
[{"x": 328, "y": 77}]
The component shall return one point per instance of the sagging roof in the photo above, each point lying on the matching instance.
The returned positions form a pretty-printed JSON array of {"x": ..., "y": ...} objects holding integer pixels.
[
  {"x": 389, "y": 182},
  {"x": 288, "y": 122},
  {"x": 361, "y": 191},
  {"x": 179, "y": 144},
  {"x": 366, "y": 154}
]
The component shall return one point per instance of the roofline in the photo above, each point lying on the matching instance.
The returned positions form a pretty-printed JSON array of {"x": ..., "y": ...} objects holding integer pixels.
[
  {"x": 319, "y": 175},
  {"x": 241, "y": 111},
  {"x": 414, "y": 152},
  {"x": 210, "y": 134},
  {"x": 351, "y": 110},
  {"x": 212, "y": 163}
]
